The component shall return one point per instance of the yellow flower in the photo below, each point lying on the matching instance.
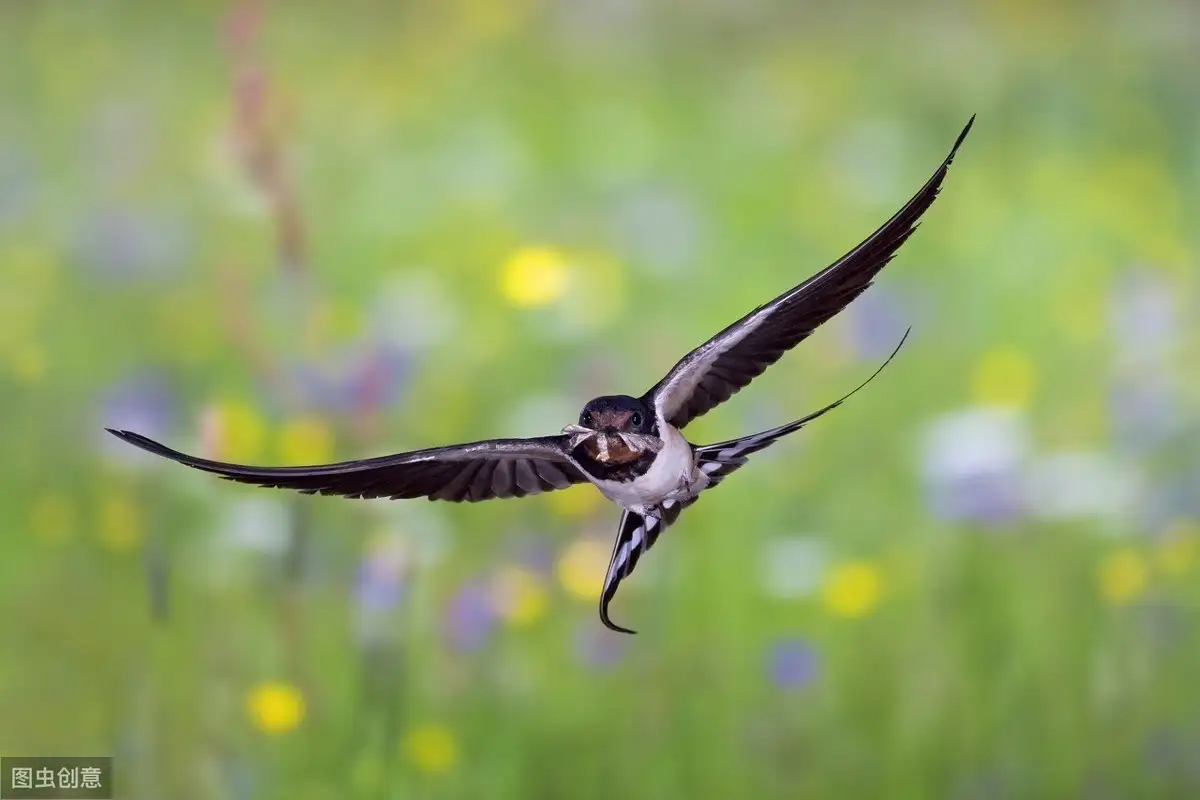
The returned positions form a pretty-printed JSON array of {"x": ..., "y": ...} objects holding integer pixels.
[
  {"x": 853, "y": 589},
  {"x": 1004, "y": 377},
  {"x": 1122, "y": 576},
  {"x": 534, "y": 276},
  {"x": 120, "y": 522},
  {"x": 575, "y": 501},
  {"x": 51, "y": 518},
  {"x": 275, "y": 707},
  {"x": 581, "y": 568},
  {"x": 519, "y": 596},
  {"x": 305, "y": 440},
  {"x": 431, "y": 748},
  {"x": 240, "y": 432},
  {"x": 1176, "y": 553}
]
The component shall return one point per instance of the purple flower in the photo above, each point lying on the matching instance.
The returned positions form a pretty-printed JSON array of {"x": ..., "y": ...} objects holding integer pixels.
[
  {"x": 990, "y": 497},
  {"x": 791, "y": 663},
  {"x": 470, "y": 617},
  {"x": 378, "y": 585},
  {"x": 142, "y": 402},
  {"x": 384, "y": 376},
  {"x": 368, "y": 375}
]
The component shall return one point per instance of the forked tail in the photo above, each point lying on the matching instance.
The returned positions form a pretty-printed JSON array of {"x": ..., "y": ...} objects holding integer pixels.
[
  {"x": 637, "y": 533},
  {"x": 718, "y": 460}
]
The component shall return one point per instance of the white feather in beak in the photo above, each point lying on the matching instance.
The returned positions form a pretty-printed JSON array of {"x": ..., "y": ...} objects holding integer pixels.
[{"x": 634, "y": 441}]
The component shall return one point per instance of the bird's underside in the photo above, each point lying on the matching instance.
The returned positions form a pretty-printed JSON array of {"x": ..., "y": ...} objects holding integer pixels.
[{"x": 626, "y": 449}]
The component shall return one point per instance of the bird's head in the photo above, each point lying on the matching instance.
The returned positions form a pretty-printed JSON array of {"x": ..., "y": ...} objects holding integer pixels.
[
  {"x": 617, "y": 414},
  {"x": 615, "y": 429}
]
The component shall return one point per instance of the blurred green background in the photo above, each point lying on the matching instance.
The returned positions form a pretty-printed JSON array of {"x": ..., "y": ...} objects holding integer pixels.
[{"x": 286, "y": 233}]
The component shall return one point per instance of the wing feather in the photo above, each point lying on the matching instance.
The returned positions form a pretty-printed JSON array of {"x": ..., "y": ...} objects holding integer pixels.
[
  {"x": 495, "y": 468},
  {"x": 726, "y": 363}
]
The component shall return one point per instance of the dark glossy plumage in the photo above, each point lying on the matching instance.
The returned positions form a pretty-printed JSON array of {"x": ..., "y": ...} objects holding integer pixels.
[
  {"x": 637, "y": 533},
  {"x": 719, "y": 368},
  {"x": 497, "y": 468}
]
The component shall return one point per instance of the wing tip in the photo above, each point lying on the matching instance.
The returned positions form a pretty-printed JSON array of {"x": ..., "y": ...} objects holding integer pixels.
[
  {"x": 141, "y": 442},
  {"x": 961, "y": 137},
  {"x": 137, "y": 440}
]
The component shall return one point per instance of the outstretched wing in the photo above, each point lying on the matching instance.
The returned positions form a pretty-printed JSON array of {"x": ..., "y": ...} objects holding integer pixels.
[
  {"x": 715, "y": 371},
  {"x": 637, "y": 534},
  {"x": 471, "y": 472}
]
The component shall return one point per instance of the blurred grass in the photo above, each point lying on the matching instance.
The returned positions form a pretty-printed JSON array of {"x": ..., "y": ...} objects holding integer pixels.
[{"x": 684, "y": 160}]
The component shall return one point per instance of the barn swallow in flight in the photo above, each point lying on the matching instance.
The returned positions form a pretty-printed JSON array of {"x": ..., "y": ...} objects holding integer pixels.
[{"x": 630, "y": 448}]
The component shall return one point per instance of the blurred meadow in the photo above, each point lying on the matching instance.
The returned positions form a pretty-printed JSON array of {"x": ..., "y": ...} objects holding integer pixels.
[{"x": 291, "y": 233}]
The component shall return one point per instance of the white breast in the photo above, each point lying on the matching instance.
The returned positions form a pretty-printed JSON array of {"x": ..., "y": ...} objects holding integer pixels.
[{"x": 673, "y": 464}]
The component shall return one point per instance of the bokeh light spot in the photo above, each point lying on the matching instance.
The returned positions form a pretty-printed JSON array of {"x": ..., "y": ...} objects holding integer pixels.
[
  {"x": 534, "y": 276},
  {"x": 119, "y": 522},
  {"x": 581, "y": 567},
  {"x": 575, "y": 501},
  {"x": 519, "y": 595},
  {"x": 305, "y": 440},
  {"x": 853, "y": 589},
  {"x": 1004, "y": 377},
  {"x": 791, "y": 663},
  {"x": 431, "y": 748},
  {"x": 275, "y": 707},
  {"x": 1122, "y": 576},
  {"x": 238, "y": 432}
]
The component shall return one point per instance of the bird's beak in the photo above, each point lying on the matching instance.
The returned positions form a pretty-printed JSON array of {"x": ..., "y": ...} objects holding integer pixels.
[
  {"x": 610, "y": 437},
  {"x": 578, "y": 434}
]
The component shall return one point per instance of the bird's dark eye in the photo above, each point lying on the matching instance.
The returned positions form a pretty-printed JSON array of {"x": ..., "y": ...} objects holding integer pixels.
[{"x": 636, "y": 419}]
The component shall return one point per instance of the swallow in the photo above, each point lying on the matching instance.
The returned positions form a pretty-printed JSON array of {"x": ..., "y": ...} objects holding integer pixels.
[{"x": 630, "y": 448}]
